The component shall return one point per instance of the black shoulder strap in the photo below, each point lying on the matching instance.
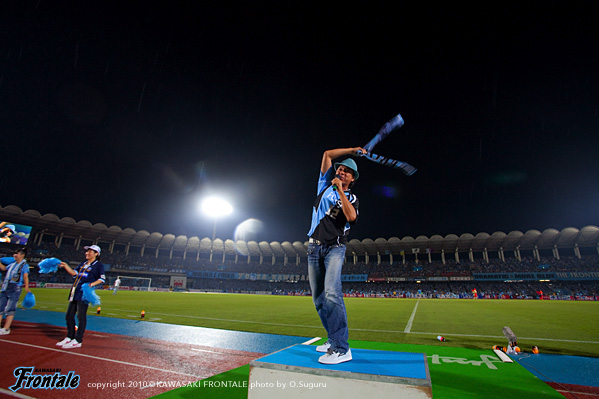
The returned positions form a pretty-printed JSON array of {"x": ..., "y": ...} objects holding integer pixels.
[{"x": 317, "y": 200}]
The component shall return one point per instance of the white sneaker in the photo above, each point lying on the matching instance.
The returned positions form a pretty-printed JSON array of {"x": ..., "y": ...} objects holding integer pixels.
[
  {"x": 63, "y": 342},
  {"x": 72, "y": 344},
  {"x": 4, "y": 331},
  {"x": 324, "y": 347},
  {"x": 334, "y": 357}
]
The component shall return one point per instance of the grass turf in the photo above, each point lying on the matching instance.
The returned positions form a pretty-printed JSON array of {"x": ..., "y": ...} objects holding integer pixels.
[{"x": 559, "y": 327}]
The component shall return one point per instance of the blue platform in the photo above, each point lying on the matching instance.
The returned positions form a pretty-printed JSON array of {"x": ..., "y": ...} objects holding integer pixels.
[
  {"x": 380, "y": 363},
  {"x": 295, "y": 373}
]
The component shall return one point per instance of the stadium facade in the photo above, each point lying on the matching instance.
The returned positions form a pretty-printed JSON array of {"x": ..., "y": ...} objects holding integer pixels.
[{"x": 569, "y": 242}]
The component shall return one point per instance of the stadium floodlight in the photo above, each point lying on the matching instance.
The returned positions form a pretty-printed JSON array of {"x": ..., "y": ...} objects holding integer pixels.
[{"x": 216, "y": 208}]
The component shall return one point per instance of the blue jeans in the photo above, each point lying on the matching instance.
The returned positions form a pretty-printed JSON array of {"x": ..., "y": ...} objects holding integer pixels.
[
  {"x": 324, "y": 272},
  {"x": 9, "y": 299}
]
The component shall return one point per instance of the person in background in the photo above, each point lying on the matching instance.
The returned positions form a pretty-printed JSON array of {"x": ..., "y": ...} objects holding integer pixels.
[
  {"x": 117, "y": 284},
  {"x": 16, "y": 278},
  {"x": 91, "y": 271}
]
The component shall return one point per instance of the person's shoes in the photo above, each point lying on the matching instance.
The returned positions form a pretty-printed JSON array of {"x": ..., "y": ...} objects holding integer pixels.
[
  {"x": 334, "y": 357},
  {"x": 63, "y": 342},
  {"x": 72, "y": 344},
  {"x": 324, "y": 347},
  {"x": 4, "y": 331}
]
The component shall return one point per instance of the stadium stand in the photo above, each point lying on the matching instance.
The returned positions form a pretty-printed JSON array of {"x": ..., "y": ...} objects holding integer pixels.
[{"x": 534, "y": 264}]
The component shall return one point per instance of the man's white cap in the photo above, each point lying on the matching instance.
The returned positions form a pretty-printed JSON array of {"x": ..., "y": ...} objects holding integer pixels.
[{"x": 94, "y": 247}]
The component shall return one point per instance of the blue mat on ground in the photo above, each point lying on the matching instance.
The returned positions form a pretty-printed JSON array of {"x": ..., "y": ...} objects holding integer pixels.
[
  {"x": 564, "y": 369},
  {"x": 393, "y": 364},
  {"x": 225, "y": 339}
]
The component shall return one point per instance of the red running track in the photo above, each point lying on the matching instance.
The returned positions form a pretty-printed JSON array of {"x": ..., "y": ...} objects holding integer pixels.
[
  {"x": 110, "y": 365},
  {"x": 572, "y": 391}
]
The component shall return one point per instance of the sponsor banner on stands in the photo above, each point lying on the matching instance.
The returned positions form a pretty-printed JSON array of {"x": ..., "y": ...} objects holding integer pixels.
[
  {"x": 536, "y": 276},
  {"x": 585, "y": 298},
  {"x": 354, "y": 277},
  {"x": 460, "y": 278},
  {"x": 243, "y": 276},
  {"x": 56, "y": 285},
  {"x": 512, "y": 276},
  {"x": 577, "y": 275},
  {"x": 417, "y": 278},
  {"x": 395, "y": 279}
]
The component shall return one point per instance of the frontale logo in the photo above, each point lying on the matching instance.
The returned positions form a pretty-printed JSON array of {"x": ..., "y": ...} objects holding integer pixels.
[{"x": 27, "y": 380}]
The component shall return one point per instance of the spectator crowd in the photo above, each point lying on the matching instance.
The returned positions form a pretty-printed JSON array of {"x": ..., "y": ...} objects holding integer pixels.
[{"x": 434, "y": 279}]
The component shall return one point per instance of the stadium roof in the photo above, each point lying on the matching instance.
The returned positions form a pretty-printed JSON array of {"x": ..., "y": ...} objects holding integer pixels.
[{"x": 50, "y": 224}]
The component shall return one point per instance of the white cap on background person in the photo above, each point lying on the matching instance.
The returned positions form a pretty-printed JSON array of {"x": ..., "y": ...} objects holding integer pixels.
[{"x": 94, "y": 247}]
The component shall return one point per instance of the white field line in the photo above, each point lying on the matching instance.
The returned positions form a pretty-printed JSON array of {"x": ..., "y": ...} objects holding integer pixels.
[
  {"x": 409, "y": 325},
  {"x": 100, "y": 358},
  {"x": 14, "y": 394},
  {"x": 504, "y": 358},
  {"x": 445, "y": 334},
  {"x": 311, "y": 341}
]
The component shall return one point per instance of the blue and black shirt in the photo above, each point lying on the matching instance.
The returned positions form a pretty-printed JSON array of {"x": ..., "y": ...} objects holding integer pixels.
[
  {"x": 329, "y": 224},
  {"x": 86, "y": 274}
]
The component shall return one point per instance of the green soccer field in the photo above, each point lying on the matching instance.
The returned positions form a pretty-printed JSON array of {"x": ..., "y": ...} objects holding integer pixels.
[{"x": 559, "y": 327}]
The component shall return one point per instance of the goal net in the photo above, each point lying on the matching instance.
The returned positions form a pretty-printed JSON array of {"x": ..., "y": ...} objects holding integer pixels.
[{"x": 136, "y": 283}]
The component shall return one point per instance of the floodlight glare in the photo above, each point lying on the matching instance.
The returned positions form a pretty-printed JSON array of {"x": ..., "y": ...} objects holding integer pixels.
[{"x": 216, "y": 207}]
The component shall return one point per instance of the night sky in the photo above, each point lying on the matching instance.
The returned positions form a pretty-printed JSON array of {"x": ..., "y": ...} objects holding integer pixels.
[{"x": 127, "y": 113}]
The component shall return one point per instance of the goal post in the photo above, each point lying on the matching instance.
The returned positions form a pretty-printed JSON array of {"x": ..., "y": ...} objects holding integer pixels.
[{"x": 136, "y": 283}]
